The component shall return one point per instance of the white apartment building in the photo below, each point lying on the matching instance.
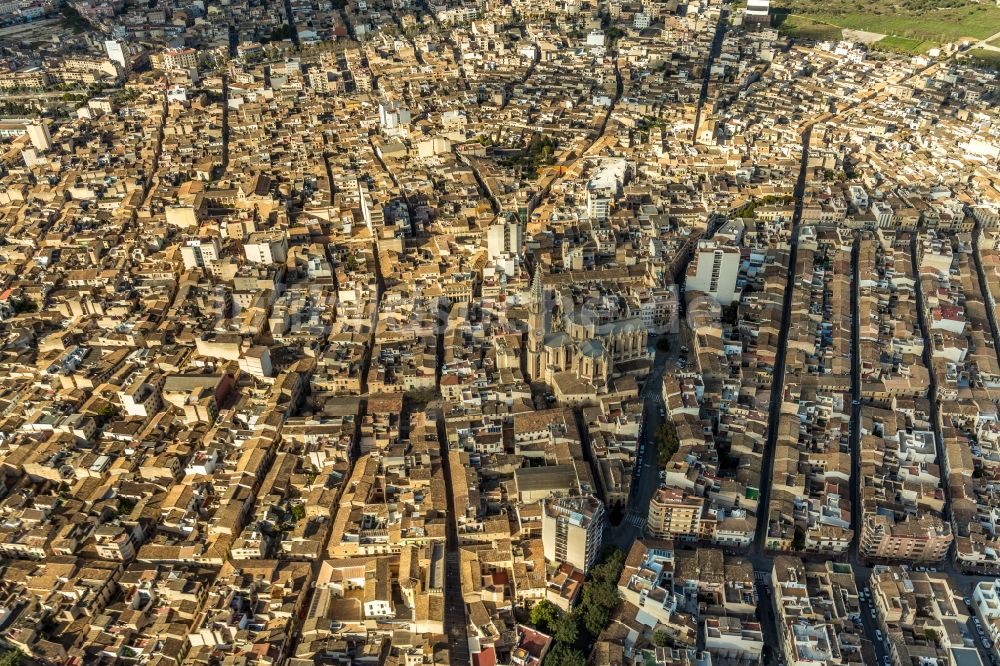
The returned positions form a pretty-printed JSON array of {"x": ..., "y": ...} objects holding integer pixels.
[
  {"x": 758, "y": 11},
  {"x": 198, "y": 253},
  {"x": 266, "y": 247},
  {"x": 504, "y": 238},
  {"x": 572, "y": 529},
  {"x": 713, "y": 271},
  {"x": 40, "y": 138}
]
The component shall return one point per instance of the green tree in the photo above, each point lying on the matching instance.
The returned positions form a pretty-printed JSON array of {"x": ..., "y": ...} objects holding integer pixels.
[
  {"x": 107, "y": 411},
  {"x": 543, "y": 615},
  {"x": 730, "y": 313},
  {"x": 72, "y": 19},
  {"x": 284, "y": 31},
  {"x": 599, "y": 602},
  {"x": 610, "y": 566},
  {"x": 10, "y": 658},
  {"x": 564, "y": 655},
  {"x": 566, "y": 628},
  {"x": 799, "y": 539},
  {"x": 298, "y": 512},
  {"x": 661, "y": 639},
  {"x": 125, "y": 507},
  {"x": 22, "y": 305},
  {"x": 667, "y": 442},
  {"x": 600, "y": 592}
]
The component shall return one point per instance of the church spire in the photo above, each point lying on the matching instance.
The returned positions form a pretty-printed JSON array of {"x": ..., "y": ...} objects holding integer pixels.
[
  {"x": 536, "y": 326},
  {"x": 537, "y": 294}
]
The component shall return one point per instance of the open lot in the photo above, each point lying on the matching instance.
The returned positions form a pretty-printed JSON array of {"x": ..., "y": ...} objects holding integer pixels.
[
  {"x": 36, "y": 33},
  {"x": 895, "y": 44},
  {"x": 934, "y": 21},
  {"x": 802, "y": 27}
]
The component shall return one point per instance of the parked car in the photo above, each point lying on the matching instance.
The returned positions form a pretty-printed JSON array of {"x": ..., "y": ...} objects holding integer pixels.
[{"x": 878, "y": 635}]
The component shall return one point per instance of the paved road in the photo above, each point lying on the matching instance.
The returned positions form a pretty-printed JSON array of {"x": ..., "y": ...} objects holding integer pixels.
[
  {"x": 225, "y": 123},
  {"x": 290, "y": 16},
  {"x": 713, "y": 53},
  {"x": 932, "y": 393},
  {"x": 777, "y": 387},
  {"x": 855, "y": 430},
  {"x": 646, "y": 475},
  {"x": 868, "y": 621},
  {"x": 985, "y": 44},
  {"x": 985, "y": 289},
  {"x": 766, "y": 615}
]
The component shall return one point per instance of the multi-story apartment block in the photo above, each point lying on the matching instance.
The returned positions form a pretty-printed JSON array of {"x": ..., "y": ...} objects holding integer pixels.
[{"x": 573, "y": 529}]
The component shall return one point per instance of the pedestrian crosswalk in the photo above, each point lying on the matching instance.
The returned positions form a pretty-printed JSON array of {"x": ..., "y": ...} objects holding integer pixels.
[{"x": 635, "y": 519}]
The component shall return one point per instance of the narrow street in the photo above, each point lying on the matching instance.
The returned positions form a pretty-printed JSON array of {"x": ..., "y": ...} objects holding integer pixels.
[
  {"x": 342, "y": 11},
  {"x": 932, "y": 395},
  {"x": 455, "y": 619},
  {"x": 868, "y": 618},
  {"x": 646, "y": 477},
  {"x": 713, "y": 53},
  {"x": 290, "y": 17},
  {"x": 225, "y": 122},
  {"x": 494, "y": 204},
  {"x": 855, "y": 430},
  {"x": 392, "y": 177},
  {"x": 777, "y": 386},
  {"x": 524, "y": 79},
  {"x": 355, "y": 452},
  {"x": 984, "y": 289}
]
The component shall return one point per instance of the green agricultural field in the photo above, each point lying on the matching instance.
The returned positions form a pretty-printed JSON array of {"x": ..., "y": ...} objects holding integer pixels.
[
  {"x": 935, "y": 21},
  {"x": 904, "y": 45},
  {"x": 801, "y": 27}
]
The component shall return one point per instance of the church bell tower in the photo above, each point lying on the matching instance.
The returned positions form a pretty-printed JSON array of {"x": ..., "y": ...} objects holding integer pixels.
[{"x": 536, "y": 326}]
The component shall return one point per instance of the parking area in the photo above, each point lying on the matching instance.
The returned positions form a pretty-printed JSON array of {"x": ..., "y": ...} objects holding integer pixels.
[
  {"x": 869, "y": 620},
  {"x": 978, "y": 633}
]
